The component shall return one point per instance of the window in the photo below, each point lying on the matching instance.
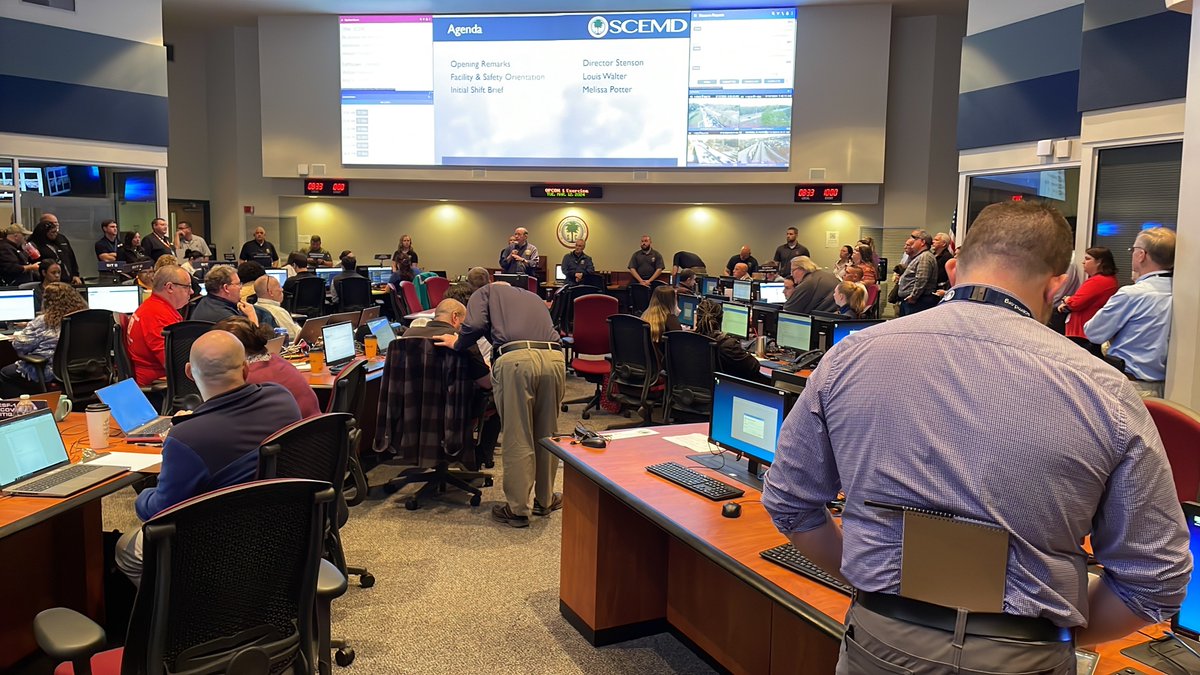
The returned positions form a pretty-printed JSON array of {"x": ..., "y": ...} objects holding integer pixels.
[{"x": 1137, "y": 188}]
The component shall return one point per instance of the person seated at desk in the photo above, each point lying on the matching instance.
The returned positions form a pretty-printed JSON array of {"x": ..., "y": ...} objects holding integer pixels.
[
  {"x": 663, "y": 315},
  {"x": 316, "y": 253},
  {"x": 249, "y": 272},
  {"x": 16, "y": 267},
  {"x": 448, "y": 317},
  {"x": 51, "y": 272},
  {"x": 686, "y": 282},
  {"x": 188, "y": 243},
  {"x": 349, "y": 271},
  {"x": 577, "y": 265},
  {"x": 732, "y": 358},
  {"x": 224, "y": 299},
  {"x": 259, "y": 246},
  {"x": 741, "y": 272},
  {"x": 851, "y": 299},
  {"x": 215, "y": 446},
  {"x": 299, "y": 263},
  {"x": 52, "y": 244},
  {"x": 270, "y": 295},
  {"x": 39, "y": 338},
  {"x": 171, "y": 290},
  {"x": 864, "y": 259},
  {"x": 108, "y": 246},
  {"x": 266, "y": 368},
  {"x": 132, "y": 252},
  {"x": 402, "y": 270}
]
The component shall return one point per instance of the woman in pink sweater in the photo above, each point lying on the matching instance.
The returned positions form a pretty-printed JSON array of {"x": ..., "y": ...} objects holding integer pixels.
[{"x": 266, "y": 367}]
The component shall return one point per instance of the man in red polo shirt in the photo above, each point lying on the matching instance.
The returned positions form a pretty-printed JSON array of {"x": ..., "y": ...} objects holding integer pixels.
[{"x": 144, "y": 339}]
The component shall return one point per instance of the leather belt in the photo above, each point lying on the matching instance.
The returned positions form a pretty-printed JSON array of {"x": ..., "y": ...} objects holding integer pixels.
[
  {"x": 980, "y": 624},
  {"x": 526, "y": 344}
]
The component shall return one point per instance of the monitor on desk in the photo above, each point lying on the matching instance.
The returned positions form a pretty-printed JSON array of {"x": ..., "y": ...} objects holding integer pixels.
[
  {"x": 16, "y": 305},
  {"x": 379, "y": 275},
  {"x": 262, "y": 259},
  {"x": 746, "y": 417},
  {"x": 735, "y": 320},
  {"x": 709, "y": 285},
  {"x": 772, "y": 292},
  {"x": 279, "y": 275},
  {"x": 558, "y": 273},
  {"x": 829, "y": 330},
  {"x": 687, "y": 309},
  {"x": 121, "y": 299},
  {"x": 339, "y": 342},
  {"x": 794, "y": 331},
  {"x": 766, "y": 317},
  {"x": 518, "y": 280},
  {"x": 743, "y": 290},
  {"x": 327, "y": 274}
]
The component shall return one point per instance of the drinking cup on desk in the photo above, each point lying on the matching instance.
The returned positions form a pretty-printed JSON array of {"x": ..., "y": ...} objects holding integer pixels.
[
  {"x": 62, "y": 408},
  {"x": 370, "y": 346},
  {"x": 316, "y": 360},
  {"x": 97, "y": 425}
]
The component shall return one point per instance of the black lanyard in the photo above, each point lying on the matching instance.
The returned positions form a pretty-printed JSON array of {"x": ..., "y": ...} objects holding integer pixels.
[{"x": 988, "y": 296}]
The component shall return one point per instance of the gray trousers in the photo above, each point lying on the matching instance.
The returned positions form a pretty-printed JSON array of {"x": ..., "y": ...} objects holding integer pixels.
[
  {"x": 879, "y": 645},
  {"x": 129, "y": 555},
  {"x": 528, "y": 386}
]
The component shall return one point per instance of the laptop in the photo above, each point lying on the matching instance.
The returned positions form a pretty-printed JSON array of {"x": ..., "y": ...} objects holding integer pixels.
[
  {"x": 275, "y": 345},
  {"x": 132, "y": 410},
  {"x": 369, "y": 314},
  {"x": 310, "y": 332},
  {"x": 339, "y": 345},
  {"x": 34, "y": 462},
  {"x": 347, "y": 317},
  {"x": 280, "y": 275}
]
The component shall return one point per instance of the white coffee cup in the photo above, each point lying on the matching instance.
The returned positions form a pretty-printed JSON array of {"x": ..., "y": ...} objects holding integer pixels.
[{"x": 97, "y": 425}]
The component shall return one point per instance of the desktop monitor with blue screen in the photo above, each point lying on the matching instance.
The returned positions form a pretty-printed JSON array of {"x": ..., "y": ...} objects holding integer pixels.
[
  {"x": 743, "y": 290},
  {"x": 771, "y": 292},
  {"x": 708, "y": 285},
  {"x": 794, "y": 331},
  {"x": 16, "y": 305},
  {"x": 687, "y": 309},
  {"x": 830, "y": 331},
  {"x": 280, "y": 275},
  {"x": 735, "y": 320},
  {"x": 379, "y": 275},
  {"x": 746, "y": 417},
  {"x": 327, "y": 274},
  {"x": 122, "y": 299}
]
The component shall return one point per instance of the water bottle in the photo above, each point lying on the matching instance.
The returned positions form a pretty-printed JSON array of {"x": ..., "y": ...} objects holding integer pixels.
[{"x": 24, "y": 406}]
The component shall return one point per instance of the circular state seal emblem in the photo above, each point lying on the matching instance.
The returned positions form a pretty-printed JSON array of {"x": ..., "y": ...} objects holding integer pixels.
[{"x": 570, "y": 230}]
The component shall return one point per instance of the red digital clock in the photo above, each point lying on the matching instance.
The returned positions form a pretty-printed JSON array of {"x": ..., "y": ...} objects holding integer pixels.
[
  {"x": 326, "y": 187},
  {"x": 818, "y": 193}
]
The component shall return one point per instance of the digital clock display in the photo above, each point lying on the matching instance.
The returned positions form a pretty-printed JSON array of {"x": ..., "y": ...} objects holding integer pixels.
[
  {"x": 818, "y": 193},
  {"x": 326, "y": 187},
  {"x": 566, "y": 191}
]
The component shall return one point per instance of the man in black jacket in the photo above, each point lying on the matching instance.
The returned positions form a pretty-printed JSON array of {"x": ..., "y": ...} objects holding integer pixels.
[
  {"x": 814, "y": 288},
  {"x": 15, "y": 266}
]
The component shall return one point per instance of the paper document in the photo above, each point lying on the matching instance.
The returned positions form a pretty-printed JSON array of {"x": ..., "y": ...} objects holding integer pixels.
[
  {"x": 693, "y": 442},
  {"x": 627, "y": 433},
  {"x": 134, "y": 461}
]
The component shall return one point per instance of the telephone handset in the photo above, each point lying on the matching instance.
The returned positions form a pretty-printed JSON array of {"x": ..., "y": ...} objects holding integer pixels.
[{"x": 808, "y": 359}]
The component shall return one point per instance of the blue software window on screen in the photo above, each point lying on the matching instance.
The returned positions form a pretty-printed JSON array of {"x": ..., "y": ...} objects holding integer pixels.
[
  {"x": 1187, "y": 622},
  {"x": 747, "y": 417}
]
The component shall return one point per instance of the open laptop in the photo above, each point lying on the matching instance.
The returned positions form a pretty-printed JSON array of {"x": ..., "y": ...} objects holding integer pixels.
[
  {"x": 348, "y": 317},
  {"x": 369, "y": 314},
  {"x": 275, "y": 345},
  {"x": 310, "y": 332},
  {"x": 132, "y": 410},
  {"x": 34, "y": 462},
  {"x": 280, "y": 275},
  {"x": 382, "y": 330},
  {"x": 339, "y": 345}
]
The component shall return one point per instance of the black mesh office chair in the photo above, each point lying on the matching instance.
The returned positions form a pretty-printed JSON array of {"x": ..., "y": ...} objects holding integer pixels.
[
  {"x": 690, "y": 361},
  {"x": 121, "y": 363},
  {"x": 230, "y": 581},
  {"x": 354, "y": 294},
  {"x": 308, "y": 297},
  {"x": 639, "y": 298},
  {"x": 83, "y": 360},
  {"x": 182, "y": 392},
  {"x": 635, "y": 372},
  {"x": 349, "y": 393}
]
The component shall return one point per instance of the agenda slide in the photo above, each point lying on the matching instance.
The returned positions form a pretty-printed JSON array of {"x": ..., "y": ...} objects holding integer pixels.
[{"x": 709, "y": 88}]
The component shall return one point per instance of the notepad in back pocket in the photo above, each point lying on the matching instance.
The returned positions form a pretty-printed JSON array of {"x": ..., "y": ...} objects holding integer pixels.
[{"x": 953, "y": 563}]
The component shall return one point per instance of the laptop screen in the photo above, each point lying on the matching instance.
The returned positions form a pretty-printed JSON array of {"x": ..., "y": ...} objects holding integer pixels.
[
  {"x": 29, "y": 444},
  {"x": 382, "y": 330},
  {"x": 280, "y": 275},
  {"x": 771, "y": 292},
  {"x": 130, "y": 407},
  {"x": 122, "y": 299},
  {"x": 747, "y": 417},
  {"x": 735, "y": 320},
  {"x": 687, "y": 309},
  {"x": 558, "y": 273},
  {"x": 339, "y": 342},
  {"x": 327, "y": 274},
  {"x": 17, "y": 305}
]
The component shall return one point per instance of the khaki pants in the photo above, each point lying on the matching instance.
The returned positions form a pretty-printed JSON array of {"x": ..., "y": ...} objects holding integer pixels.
[
  {"x": 528, "y": 386},
  {"x": 879, "y": 645}
]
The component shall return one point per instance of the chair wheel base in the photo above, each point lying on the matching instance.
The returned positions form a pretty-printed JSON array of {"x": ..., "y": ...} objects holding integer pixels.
[
  {"x": 411, "y": 504},
  {"x": 366, "y": 580},
  {"x": 344, "y": 656},
  {"x": 475, "y": 500},
  {"x": 564, "y": 407},
  {"x": 391, "y": 489},
  {"x": 586, "y": 415},
  {"x": 488, "y": 482}
]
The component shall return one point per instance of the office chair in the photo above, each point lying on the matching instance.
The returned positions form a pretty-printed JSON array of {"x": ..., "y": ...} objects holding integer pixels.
[
  {"x": 307, "y": 298},
  {"x": 349, "y": 392},
  {"x": 635, "y": 379},
  {"x": 426, "y": 417},
  {"x": 354, "y": 294},
  {"x": 230, "y": 579},
  {"x": 182, "y": 393},
  {"x": 83, "y": 359},
  {"x": 690, "y": 361},
  {"x": 411, "y": 300},
  {"x": 436, "y": 287},
  {"x": 1179, "y": 428},
  {"x": 396, "y": 305},
  {"x": 567, "y": 308},
  {"x": 872, "y": 302},
  {"x": 591, "y": 338},
  {"x": 124, "y": 368},
  {"x": 639, "y": 298},
  {"x": 531, "y": 283}
]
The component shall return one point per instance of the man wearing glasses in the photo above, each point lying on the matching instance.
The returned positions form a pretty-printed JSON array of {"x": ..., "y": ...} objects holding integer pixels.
[
  {"x": 172, "y": 288},
  {"x": 1136, "y": 320},
  {"x": 224, "y": 299}
]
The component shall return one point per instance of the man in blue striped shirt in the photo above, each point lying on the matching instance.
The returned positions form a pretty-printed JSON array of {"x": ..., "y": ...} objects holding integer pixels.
[{"x": 1023, "y": 430}]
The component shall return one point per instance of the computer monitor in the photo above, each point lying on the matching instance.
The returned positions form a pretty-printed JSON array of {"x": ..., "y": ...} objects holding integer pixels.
[
  {"x": 843, "y": 329},
  {"x": 280, "y": 275},
  {"x": 709, "y": 285},
  {"x": 16, "y": 305},
  {"x": 735, "y": 320},
  {"x": 746, "y": 417},
  {"x": 829, "y": 330},
  {"x": 558, "y": 273},
  {"x": 772, "y": 292},
  {"x": 379, "y": 275},
  {"x": 122, "y": 299},
  {"x": 327, "y": 274},
  {"x": 517, "y": 280},
  {"x": 794, "y": 331},
  {"x": 687, "y": 309},
  {"x": 765, "y": 317},
  {"x": 262, "y": 259},
  {"x": 743, "y": 290},
  {"x": 726, "y": 283},
  {"x": 339, "y": 342}
]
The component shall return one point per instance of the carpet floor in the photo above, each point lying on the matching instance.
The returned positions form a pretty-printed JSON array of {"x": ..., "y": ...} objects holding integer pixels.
[{"x": 456, "y": 592}]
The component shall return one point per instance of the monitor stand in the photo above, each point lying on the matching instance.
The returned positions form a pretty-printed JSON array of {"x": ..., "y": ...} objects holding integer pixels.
[
  {"x": 1166, "y": 654},
  {"x": 746, "y": 471}
]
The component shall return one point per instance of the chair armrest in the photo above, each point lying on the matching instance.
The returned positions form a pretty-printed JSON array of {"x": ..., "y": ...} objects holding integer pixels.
[
  {"x": 331, "y": 583},
  {"x": 33, "y": 360},
  {"x": 67, "y": 635}
]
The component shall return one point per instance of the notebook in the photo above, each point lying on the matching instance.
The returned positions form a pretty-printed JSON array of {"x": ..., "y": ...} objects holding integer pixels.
[
  {"x": 132, "y": 410},
  {"x": 34, "y": 462},
  {"x": 953, "y": 562}
]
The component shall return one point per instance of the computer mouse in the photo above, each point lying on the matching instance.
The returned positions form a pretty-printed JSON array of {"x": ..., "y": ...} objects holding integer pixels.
[
  {"x": 594, "y": 442},
  {"x": 731, "y": 510}
]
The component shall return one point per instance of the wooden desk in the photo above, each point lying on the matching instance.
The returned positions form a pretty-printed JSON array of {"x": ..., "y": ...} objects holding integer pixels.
[
  {"x": 322, "y": 384},
  {"x": 641, "y": 555},
  {"x": 52, "y": 550}
]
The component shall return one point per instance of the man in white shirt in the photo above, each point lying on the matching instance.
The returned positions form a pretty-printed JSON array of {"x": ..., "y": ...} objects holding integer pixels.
[
  {"x": 270, "y": 294},
  {"x": 186, "y": 241}
]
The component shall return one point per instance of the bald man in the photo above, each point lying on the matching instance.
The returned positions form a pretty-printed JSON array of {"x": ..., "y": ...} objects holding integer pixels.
[
  {"x": 216, "y": 446},
  {"x": 520, "y": 256}
]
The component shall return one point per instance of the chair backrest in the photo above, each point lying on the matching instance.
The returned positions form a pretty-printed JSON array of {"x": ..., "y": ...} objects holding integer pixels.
[
  {"x": 634, "y": 360},
  {"x": 182, "y": 392},
  {"x": 690, "y": 361},
  {"x": 237, "y": 565},
  {"x": 399, "y": 306},
  {"x": 315, "y": 448},
  {"x": 308, "y": 297},
  {"x": 411, "y": 299},
  {"x": 639, "y": 298},
  {"x": 121, "y": 361},
  {"x": 83, "y": 360},
  {"x": 354, "y": 293},
  {"x": 573, "y": 292},
  {"x": 1179, "y": 428},
  {"x": 872, "y": 301},
  {"x": 436, "y": 287},
  {"x": 591, "y": 323},
  {"x": 531, "y": 283},
  {"x": 349, "y": 390}
]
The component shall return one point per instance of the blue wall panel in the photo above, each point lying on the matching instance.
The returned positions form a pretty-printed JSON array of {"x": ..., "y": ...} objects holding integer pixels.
[
  {"x": 1139, "y": 61},
  {"x": 45, "y": 108},
  {"x": 1044, "y": 107}
]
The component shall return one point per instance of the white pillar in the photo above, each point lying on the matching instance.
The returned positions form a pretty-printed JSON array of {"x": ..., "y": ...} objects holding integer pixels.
[{"x": 1183, "y": 360}]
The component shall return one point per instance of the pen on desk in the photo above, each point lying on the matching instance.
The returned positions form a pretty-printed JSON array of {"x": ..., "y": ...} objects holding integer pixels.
[{"x": 897, "y": 507}]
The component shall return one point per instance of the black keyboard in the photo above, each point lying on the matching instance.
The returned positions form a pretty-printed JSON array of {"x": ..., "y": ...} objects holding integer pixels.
[
  {"x": 58, "y": 478},
  {"x": 696, "y": 482},
  {"x": 156, "y": 428},
  {"x": 789, "y": 557}
]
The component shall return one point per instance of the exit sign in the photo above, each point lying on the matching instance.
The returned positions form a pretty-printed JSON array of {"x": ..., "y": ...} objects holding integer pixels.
[{"x": 326, "y": 187}]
